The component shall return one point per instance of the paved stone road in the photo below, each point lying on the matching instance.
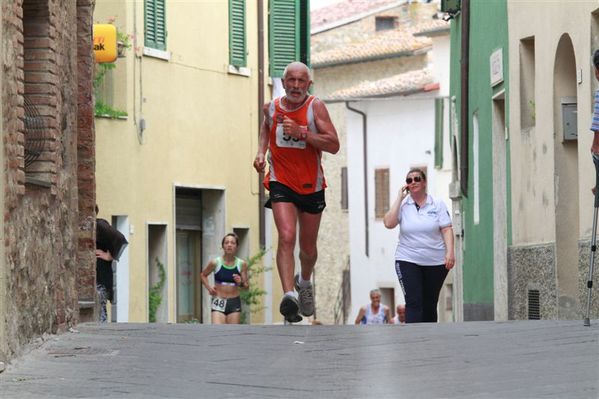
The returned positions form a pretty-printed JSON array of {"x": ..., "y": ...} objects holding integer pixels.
[{"x": 520, "y": 359}]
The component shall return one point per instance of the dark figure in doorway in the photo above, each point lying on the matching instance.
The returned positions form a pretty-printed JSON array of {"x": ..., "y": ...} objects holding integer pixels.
[{"x": 110, "y": 244}]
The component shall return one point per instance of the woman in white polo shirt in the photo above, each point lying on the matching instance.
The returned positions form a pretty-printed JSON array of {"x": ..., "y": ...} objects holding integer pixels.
[{"x": 424, "y": 253}]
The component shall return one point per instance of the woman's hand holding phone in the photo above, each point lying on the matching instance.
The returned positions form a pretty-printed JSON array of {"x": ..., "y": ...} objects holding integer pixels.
[{"x": 404, "y": 191}]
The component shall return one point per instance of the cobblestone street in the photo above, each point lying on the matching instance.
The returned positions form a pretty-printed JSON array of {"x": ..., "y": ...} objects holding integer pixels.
[{"x": 520, "y": 359}]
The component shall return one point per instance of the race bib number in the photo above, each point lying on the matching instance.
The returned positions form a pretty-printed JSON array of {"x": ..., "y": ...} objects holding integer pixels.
[
  {"x": 286, "y": 141},
  {"x": 219, "y": 304}
]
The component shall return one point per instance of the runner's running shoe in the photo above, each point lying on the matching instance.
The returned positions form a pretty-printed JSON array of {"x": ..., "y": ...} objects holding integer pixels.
[
  {"x": 289, "y": 308},
  {"x": 306, "y": 297}
]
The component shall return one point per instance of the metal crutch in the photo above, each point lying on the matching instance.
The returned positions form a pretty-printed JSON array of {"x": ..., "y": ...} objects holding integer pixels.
[{"x": 587, "y": 320}]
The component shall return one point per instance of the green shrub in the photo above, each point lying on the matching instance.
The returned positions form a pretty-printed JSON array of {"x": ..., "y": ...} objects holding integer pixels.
[
  {"x": 252, "y": 296},
  {"x": 155, "y": 294}
]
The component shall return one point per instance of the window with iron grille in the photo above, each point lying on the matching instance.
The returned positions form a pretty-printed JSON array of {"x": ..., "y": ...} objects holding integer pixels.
[
  {"x": 40, "y": 92},
  {"x": 381, "y": 192}
]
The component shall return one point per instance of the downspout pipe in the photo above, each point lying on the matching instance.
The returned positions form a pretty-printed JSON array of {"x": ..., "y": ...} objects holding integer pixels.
[
  {"x": 261, "y": 193},
  {"x": 365, "y": 166},
  {"x": 464, "y": 113}
]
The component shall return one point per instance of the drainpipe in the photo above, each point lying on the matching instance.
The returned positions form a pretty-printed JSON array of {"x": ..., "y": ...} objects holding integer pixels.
[
  {"x": 365, "y": 157},
  {"x": 261, "y": 194},
  {"x": 464, "y": 115}
]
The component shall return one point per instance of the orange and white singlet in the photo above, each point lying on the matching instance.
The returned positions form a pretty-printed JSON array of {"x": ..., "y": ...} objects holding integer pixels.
[{"x": 293, "y": 162}]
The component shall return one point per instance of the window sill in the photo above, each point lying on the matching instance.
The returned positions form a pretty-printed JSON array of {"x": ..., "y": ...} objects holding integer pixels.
[
  {"x": 122, "y": 118},
  {"x": 37, "y": 182},
  {"x": 242, "y": 71},
  {"x": 87, "y": 304},
  {"x": 155, "y": 53}
]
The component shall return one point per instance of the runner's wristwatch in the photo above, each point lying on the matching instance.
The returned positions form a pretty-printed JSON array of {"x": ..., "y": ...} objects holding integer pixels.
[{"x": 304, "y": 133}]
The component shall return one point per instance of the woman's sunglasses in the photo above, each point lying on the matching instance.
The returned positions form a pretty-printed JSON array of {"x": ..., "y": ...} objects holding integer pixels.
[{"x": 415, "y": 179}]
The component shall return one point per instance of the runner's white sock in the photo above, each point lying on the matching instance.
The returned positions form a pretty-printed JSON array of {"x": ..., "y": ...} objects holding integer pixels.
[
  {"x": 291, "y": 293},
  {"x": 303, "y": 283}
]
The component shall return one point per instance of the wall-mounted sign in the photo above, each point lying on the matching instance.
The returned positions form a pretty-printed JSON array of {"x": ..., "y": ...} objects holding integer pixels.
[
  {"x": 496, "y": 62},
  {"x": 105, "y": 43}
]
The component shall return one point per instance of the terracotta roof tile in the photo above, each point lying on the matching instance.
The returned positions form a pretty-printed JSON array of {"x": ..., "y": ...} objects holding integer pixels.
[
  {"x": 383, "y": 45},
  {"x": 345, "y": 9},
  {"x": 432, "y": 27},
  {"x": 397, "y": 85}
]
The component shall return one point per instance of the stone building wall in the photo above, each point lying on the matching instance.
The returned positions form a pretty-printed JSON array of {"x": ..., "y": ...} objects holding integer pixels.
[
  {"x": 362, "y": 29},
  {"x": 86, "y": 164},
  {"x": 533, "y": 268},
  {"x": 41, "y": 49}
]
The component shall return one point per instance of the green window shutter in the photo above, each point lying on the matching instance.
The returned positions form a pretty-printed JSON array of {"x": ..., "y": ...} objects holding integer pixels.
[
  {"x": 439, "y": 104},
  {"x": 237, "y": 28},
  {"x": 155, "y": 24},
  {"x": 304, "y": 32},
  {"x": 289, "y": 34}
]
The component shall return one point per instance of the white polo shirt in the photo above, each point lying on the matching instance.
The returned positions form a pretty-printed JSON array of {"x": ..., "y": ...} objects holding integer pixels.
[{"x": 420, "y": 238}]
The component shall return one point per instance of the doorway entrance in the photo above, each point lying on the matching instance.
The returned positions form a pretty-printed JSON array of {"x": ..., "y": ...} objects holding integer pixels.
[
  {"x": 200, "y": 226},
  {"x": 189, "y": 290}
]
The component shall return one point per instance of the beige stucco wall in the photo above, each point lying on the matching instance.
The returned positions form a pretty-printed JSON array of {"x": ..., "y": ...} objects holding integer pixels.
[
  {"x": 532, "y": 150},
  {"x": 552, "y": 205},
  {"x": 201, "y": 127}
]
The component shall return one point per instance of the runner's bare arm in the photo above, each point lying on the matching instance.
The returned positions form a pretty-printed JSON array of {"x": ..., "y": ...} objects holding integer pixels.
[
  {"x": 388, "y": 319},
  {"x": 260, "y": 160},
  {"x": 361, "y": 314},
  {"x": 325, "y": 140},
  {"x": 391, "y": 218},
  {"x": 204, "y": 276}
]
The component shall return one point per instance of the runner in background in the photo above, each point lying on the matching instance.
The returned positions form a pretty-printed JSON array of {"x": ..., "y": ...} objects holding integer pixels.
[
  {"x": 375, "y": 312},
  {"x": 400, "y": 314},
  {"x": 230, "y": 274}
]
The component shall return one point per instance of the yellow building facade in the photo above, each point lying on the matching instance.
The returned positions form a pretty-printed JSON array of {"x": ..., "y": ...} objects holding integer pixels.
[{"x": 175, "y": 174}]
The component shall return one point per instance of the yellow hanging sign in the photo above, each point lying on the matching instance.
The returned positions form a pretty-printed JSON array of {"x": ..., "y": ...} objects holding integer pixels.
[{"x": 105, "y": 48}]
